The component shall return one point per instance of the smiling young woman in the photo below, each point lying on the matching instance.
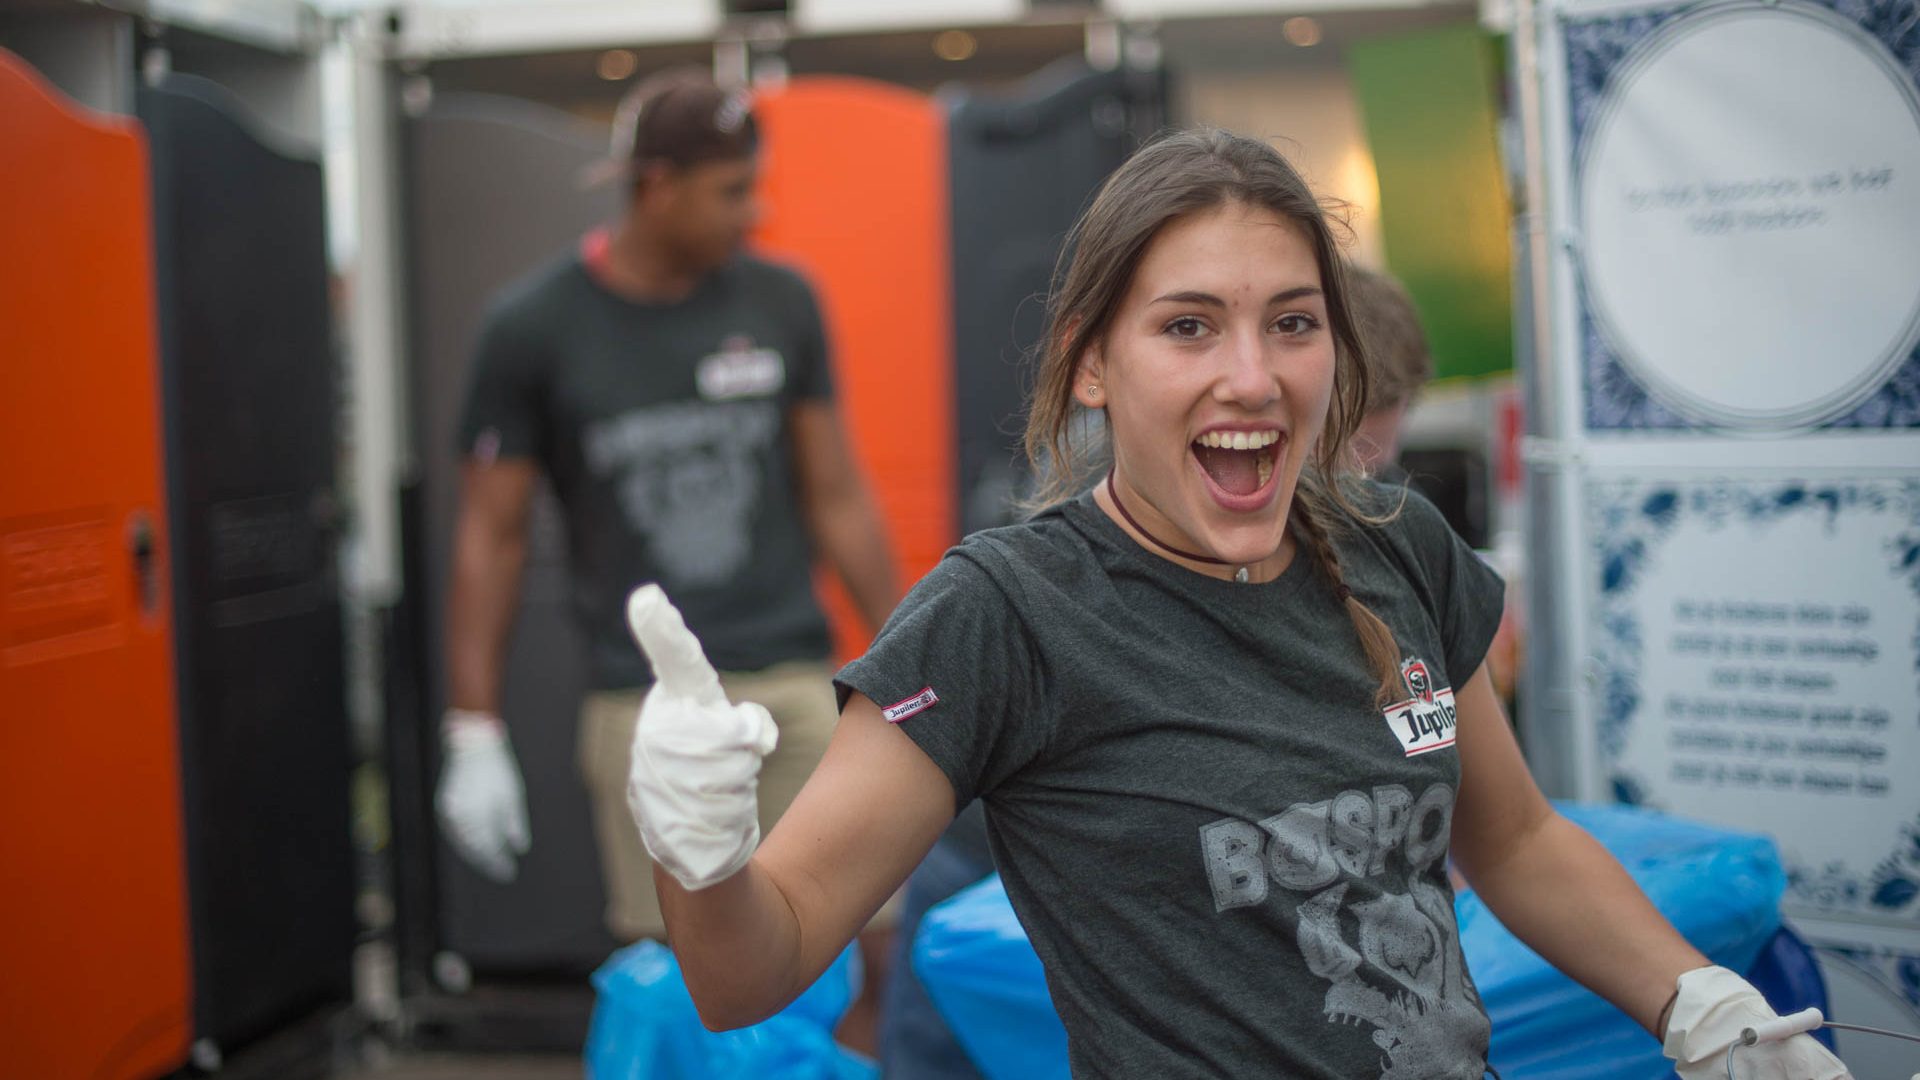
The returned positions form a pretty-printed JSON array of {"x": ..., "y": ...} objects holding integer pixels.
[
  {"x": 1226, "y": 707},
  {"x": 1216, "y": 376},
  {"x": 1229, "y": 280}
]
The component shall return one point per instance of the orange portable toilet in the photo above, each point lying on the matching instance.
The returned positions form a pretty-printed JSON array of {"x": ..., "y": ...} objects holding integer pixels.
[
  {"x": 93, "y": 934},
  {"x": 854, "y": 183}
]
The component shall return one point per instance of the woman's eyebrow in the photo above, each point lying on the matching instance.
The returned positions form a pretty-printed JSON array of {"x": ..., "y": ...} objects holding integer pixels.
[{"x": 1190, "y": 296}]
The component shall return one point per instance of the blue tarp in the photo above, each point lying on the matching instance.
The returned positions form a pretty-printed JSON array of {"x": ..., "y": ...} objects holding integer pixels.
[
  {"x": 645, "y": 1027},
  {"x": 1720, "y": 888}
]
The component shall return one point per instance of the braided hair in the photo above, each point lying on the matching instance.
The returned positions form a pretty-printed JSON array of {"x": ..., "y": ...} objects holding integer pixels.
[{"x": 1311, "y": 517}]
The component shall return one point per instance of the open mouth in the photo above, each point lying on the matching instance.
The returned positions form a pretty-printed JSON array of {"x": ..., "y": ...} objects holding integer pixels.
[{"x": 1240, "y": 463}]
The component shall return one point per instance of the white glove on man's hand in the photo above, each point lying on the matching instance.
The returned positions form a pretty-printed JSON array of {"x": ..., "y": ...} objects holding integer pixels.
[
  {"x": 482, "y": 803},
  {"x": 1714, "y": 1006},
  {"x": 696, "y": 758}
]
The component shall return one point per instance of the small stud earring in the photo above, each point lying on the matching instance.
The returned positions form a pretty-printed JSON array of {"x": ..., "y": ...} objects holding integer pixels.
[{"x": 1093, "y": 389}]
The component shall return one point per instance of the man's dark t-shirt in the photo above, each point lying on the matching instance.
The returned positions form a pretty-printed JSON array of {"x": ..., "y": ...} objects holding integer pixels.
[
  {"x": 664, "y": 429},
  {"x": 1230, "y": 859}
]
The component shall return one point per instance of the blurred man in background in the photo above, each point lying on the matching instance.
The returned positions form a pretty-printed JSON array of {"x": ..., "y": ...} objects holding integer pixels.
[
  {"x": 678, "y": 395},
  {"x": 1399, "y": 363}
]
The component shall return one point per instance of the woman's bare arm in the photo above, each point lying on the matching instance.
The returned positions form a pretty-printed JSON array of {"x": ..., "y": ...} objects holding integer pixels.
[{"x": 1549, "y": 882}]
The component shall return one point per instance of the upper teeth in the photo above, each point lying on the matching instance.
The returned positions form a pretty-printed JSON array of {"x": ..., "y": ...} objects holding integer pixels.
[{"x": 1239, "y": 440}]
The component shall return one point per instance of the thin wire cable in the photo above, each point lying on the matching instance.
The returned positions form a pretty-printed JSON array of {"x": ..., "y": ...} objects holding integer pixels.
[
  {"x": 1874, "y": 1031},
  {"x": 1738, "y": 1043}
]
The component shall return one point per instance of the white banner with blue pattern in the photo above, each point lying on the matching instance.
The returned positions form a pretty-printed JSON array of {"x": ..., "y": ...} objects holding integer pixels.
[
  {"x": 1756, "y": 649},
  {"x": 1729, "y": 447},
  {"x": 1747, "y": 184}
]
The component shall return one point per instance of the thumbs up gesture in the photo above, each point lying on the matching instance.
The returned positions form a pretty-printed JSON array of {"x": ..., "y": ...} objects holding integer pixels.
[{"x": 696, "y": 757}]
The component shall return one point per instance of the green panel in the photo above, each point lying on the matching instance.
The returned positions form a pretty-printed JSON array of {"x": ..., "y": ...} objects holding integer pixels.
[{"x": 1429, "y": 103}]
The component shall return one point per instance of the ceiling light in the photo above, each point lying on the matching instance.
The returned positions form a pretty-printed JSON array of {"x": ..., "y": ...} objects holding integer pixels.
[
  {"x": 954, "y": 45},
  {"x": 617, "y": 64}
]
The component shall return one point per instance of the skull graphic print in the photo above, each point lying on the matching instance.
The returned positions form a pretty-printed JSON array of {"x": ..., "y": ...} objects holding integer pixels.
[
  {"x": 688, "y": 479},
  {"x": 1374, "y": 920}
]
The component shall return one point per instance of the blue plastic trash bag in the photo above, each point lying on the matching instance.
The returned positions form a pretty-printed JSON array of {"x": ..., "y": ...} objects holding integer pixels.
[
  {"x": 1720, "y": 888},
  {"x": 974, "y": 958},
  {"x": 646, "y": 1028}
]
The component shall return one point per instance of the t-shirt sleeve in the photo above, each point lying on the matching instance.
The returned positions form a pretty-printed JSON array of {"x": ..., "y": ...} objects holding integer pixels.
[
  {"x": 505, "y": 413},
  {"x": 956, "y": 669},
  {"x": 813, "y": 363},
  {"x": 1468, "y": 596}
]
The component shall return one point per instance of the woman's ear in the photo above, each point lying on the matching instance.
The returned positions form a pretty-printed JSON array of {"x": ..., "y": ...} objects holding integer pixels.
[{"x": 1088, "y": 388}]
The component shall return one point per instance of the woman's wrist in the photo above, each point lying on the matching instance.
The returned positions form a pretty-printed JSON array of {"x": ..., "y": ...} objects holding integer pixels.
[{"x": 1665, "y": 1014}]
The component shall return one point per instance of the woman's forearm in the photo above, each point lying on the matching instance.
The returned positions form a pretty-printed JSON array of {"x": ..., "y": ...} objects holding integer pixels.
[
  {"x": 738, "y": 944},
  {"x": 1568, "y": 898}
]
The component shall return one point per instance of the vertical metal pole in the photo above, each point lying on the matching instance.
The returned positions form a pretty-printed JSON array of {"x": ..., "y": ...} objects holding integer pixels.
[
  {"x": 383, "y": 468},
  {"x": 374, "y": 325},
  {"x": 1103, "y": 44},
  {"x": 87, "y": 52},
  {"x": 1556, "y": 717},
  {"x": 732, "y": 62}
]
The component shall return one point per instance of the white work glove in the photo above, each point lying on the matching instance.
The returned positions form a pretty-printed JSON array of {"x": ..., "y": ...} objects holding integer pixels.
[
  {"x": 696, "y": 758},
  {"x": 1713, "y": 1007},
  {"x": 482, "y": 803}
]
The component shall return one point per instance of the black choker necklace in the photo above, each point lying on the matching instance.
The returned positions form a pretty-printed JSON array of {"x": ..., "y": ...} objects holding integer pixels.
[{"x": 1113, "y": 493}]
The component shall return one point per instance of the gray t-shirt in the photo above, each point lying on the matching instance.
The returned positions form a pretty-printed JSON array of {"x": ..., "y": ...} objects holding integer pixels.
[
  {"x": 1231, "y": 861},
  {"x": 664, "y": 428}
]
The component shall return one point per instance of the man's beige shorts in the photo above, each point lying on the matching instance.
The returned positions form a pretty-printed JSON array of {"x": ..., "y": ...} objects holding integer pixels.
[{"x": 799, "y": 694}]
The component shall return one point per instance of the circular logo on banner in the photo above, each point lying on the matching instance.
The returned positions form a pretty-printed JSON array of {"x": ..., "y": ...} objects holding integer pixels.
[{"x": 1750, "y": 213}]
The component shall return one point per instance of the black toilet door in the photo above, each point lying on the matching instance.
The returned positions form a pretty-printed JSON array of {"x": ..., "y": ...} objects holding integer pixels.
[{"x": 248, "y": 379}]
